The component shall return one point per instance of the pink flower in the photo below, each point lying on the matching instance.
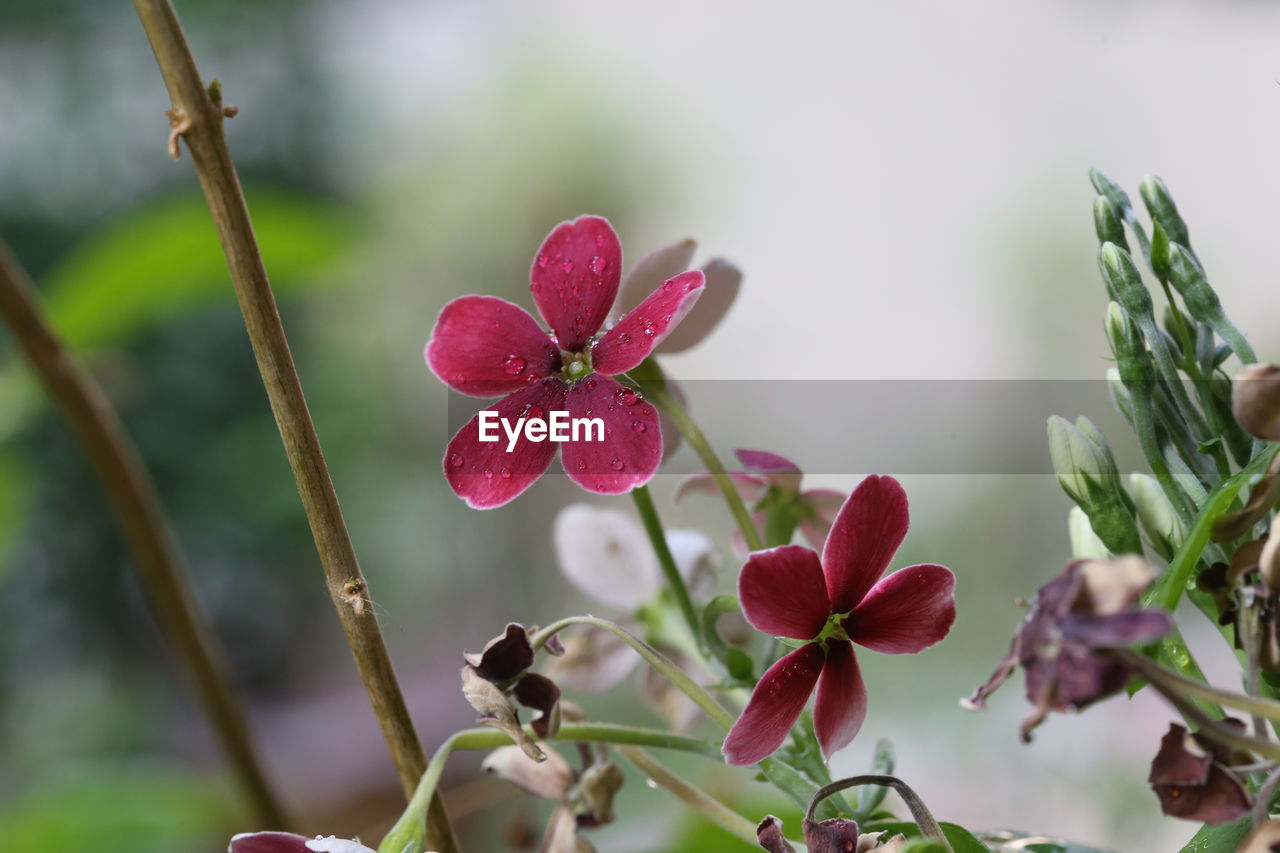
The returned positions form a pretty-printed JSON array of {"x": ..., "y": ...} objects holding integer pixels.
[
  {"x": 832, "y": 603},
  {"x": 483, "y": 346},
  {"x": 773, "y": 484}
]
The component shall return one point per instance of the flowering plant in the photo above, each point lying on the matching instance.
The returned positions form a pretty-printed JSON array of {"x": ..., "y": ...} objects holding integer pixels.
[{"x": 730, "y": 675}]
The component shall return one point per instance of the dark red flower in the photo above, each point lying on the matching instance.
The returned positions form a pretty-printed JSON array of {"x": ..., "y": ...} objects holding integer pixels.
[
  {"x": 485, "y": 347},
  {"x": 1087, "y": 609},
  {"x": 834, "y": 602},
  {"x": 771, "y": 483},
  {"x": 1189, "y": 774}
]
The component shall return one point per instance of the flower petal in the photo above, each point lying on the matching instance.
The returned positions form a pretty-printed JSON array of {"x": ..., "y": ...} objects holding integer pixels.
[
  {"x": 574, "y": 278},
  {"x": 837, "y": 835},
  {"x": 605, "y": 553},
  {"x": 1130, "y": 628},
  {"x": 484, "y": 474},
  {"x": 842, "y": 699},
  {"x": 333, "y": 844},
  {"x": 594, "y": 661},
  {"x": 723, "y": 282},
  {"x": 783, "y": 593},
  {"x": 630, "y": 341},
  {"x": 905, "y": 613},
  {"x": 505, "y": 656},
  {"x": 486, "y": 347},
  {"x": 550, "y": 779},
  {"x": 774, "y": 707},
  {"x": 777, "y": 470},
  {"x": 749, "y": 486},
  {"x": 696, "y": 558},
  {"x": 540, "y": 693},
  {"x": 268, "y": 842},
  {"x": 631, "y": 451},
  {"x": 769, "y": 835},
  {"x": 863, "y": 540},
  {"x": 652, "y": 270},
  {"x": 825, "y": 504},
  {"x": 1221, "y": 799}
]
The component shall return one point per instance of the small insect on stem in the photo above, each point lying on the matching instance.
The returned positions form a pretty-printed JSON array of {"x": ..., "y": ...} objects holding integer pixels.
[{"x": 353, "y": 595}]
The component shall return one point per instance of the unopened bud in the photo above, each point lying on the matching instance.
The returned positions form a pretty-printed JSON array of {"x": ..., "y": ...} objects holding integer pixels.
[
  {"x": 1159, "y": 519},
  {"x": 1124, "y": 280},
  {"x": 1085, "y": 544},
  {"x": 1120, "y": 396},
  {"x": 1083, "y": 465},
  {"x": 1107, "y": 224},
  {"x": 1256, "y": 400},
  {"x": 1155, "y": 195}
]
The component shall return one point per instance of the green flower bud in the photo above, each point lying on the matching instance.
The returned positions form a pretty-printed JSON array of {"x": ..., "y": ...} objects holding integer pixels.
[
  {"x": 1128, "y": 346},
  {"x": 1120, "y": 397},
  {"x": 1124, "y": 280},
  {"x": 1107, "y": 224},
  {"x": 1084, "y": 467},
  {"x": 1164, "y": 213},
  {"x": 1085, "y": 544},
  {"x": 1256, "y": 400},
  {"x": 1159, "y": 519},
  {"x": 1186, "y": 275}
]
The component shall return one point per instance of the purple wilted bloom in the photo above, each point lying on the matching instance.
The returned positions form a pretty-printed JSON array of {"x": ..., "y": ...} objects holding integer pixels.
[
  {"x": 501, "y": 671},
  {"x": 1190, "y": 775},
  {"x": 837, "y": 835},
  {"x": 1083, "y": 611}
]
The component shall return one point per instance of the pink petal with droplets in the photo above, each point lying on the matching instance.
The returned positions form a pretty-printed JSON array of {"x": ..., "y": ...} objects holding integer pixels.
[
  {"x": 723, "y": 282},
  {"x": 906, "y": 612},
  {"x": 864, "y": 538},
  {"x": 484, "y": 474},
  {"x": 574, "y": 278},
  {"x": 631, "y": 451},
  {"x": 629, "y": 342},
  {"x": 486, "y": 347},
  {"x": 782, "y": 592},
  {"x": 774, "y": 707},
  {"x": 841, "y": 705}
]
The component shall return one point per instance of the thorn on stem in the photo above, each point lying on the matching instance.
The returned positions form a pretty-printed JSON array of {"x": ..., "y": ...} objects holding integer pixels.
[{"x": 179, "y": 123}]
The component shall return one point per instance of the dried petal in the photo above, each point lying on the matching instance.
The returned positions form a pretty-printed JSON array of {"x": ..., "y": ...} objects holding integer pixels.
[
  {"x": 769, "y": 834},
  {"x": 505, "y": 656},
  {"x": 496, "y": 711},
  {"x": 597, "y": 787},
  {"x": 550, "y": 779},
  {"x": 542, "y": 695}
]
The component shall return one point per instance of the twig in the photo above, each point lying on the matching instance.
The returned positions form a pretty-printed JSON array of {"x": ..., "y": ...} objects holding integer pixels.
[
  {"x": 201, "y": 110},
  {"x": 133, "y": 497}
]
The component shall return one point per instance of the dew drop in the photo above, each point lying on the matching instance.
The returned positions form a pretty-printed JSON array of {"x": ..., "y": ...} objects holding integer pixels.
[
  {"x": 618, "y": 464},
  {"x": 669, "y": 285},
  {"x": 623, "y": 337},
  {"x": 542, "y": 262},
  {"x": 648, "y": 329},
  {"x": 488, "y": 473},
  {"x": 650, "y": 783},
  {"x": 513, "y": 365},
  {"x": 626, "y": 396},
  {"x": 455, "y": 460},
  {"x": 567, "y": 266},
  {"x": 581, "y": 466},
  {"x": 504, "y": 473},
  {"x": 598, "y": 264},
  {"x": 590, "y": 383},
  {"x": 638, "y": 426},
  {"x": 532, "y": 411}
]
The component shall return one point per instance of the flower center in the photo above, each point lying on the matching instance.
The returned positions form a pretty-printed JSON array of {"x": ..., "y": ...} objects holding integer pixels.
[
  {"x": 574, "y": 365},
  {"x": 834, "y": 629}
]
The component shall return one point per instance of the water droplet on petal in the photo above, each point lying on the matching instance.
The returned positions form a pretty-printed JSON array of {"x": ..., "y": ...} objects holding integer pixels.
[
  {"x": 581, "y": 466},
  {"x": 669, "y": 285},
  {"x": 591, "y": 383},
  {"x": 638, "y": 426},
  {"x": 542, "y": 262},
  {"x": 455, "y": 460},
  {"x": 567, "y": 266},
  {"x": 504, "y": 473},
  {"x": 623, "y": 337},
  {"x": 627, "y": 397},
  {"x": 648, "y": 329},
  {"x": 531, "y": 411},
  {"x": 598, "y": 264},
  {"x": 488, "y": 473},
  {"x": 618, "y": 464},
  {"x": 513, "y": 365}
]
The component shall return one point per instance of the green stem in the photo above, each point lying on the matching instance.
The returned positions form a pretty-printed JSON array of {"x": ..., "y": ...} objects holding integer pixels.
[
  {"x": 658, "y": 538},
  {"x": 408, "y": 827},
  {"x": 1168, "y": 590},
  {"x": 693, "y": 797},
  {"x": 1223, "y": 734},
  {"x": 652, "y": 656},
  {"x": 1176, "y": 653},
  {"x": 1167, "y": 680},
  {"x": 665, "y": 400}
]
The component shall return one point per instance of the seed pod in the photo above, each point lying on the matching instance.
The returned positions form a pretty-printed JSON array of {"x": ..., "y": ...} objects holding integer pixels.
[{"x": 1256, "y": 400}]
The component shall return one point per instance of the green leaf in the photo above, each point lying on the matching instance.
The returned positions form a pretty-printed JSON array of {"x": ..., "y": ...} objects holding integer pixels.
[
  {"x": 961, "y": 839},
  {"x": 1224, "y": 838},
  {"x": 166, "y": 259},
  {"x": 871, "y": 796}
]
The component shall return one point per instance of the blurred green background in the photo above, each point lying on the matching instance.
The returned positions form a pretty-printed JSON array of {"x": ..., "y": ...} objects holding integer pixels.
[{"x": 904, "y": 187}]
